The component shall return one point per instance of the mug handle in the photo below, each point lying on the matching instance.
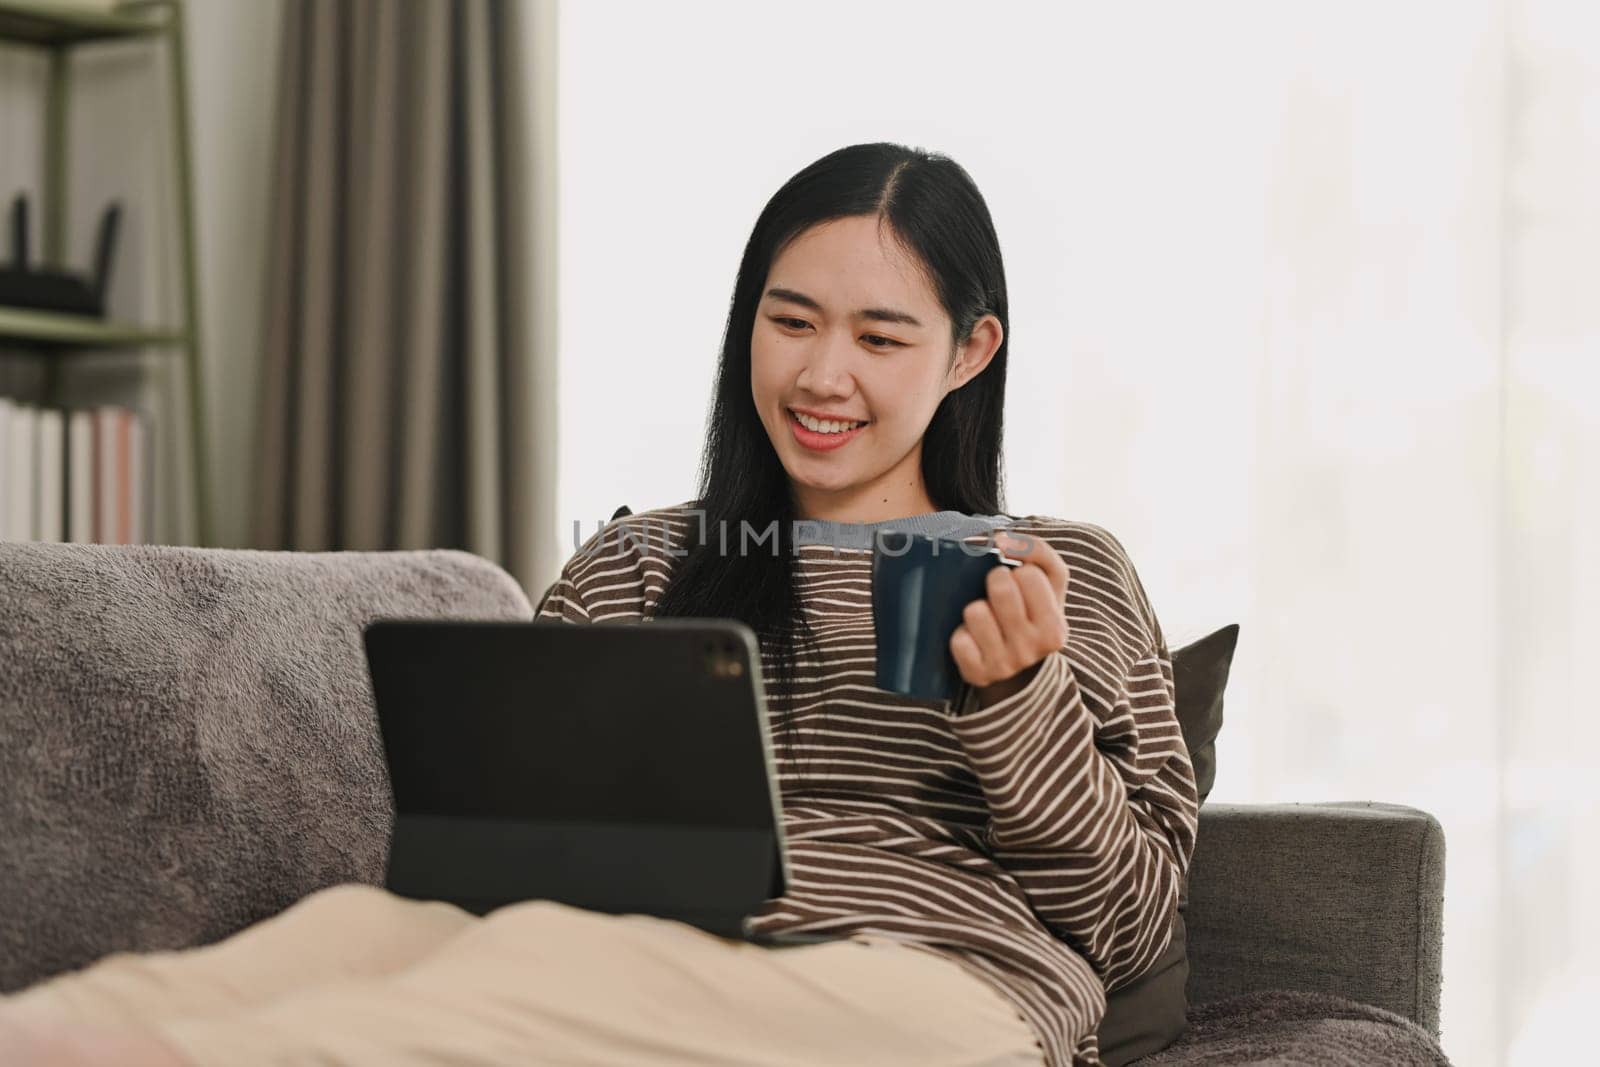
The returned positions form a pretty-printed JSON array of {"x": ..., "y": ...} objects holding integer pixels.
[{"x": 965, "y": 700}]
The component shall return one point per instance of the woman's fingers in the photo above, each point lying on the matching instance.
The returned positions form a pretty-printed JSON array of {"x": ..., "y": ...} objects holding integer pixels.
[
  {"x": 1036, "y": 552},
  {"x": 1045, "y": 607},
  {"x": 979, "y": 621},
  {"x": 1006, "y": 599},
  {"x": 969, "y": 661},
  {"x": 1021, "y": 617}
]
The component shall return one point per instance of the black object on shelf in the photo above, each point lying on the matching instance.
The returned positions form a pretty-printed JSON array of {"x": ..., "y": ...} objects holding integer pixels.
[{"x": 57, "y": 290}]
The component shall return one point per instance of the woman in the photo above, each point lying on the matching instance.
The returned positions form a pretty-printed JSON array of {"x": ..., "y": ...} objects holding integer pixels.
[{"x": 987, "y": 870}]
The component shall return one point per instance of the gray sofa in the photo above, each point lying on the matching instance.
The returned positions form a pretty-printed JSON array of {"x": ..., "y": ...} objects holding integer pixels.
[{"x": 189, "y": 746}]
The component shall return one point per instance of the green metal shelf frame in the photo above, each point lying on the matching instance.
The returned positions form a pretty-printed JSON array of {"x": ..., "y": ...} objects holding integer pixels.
[
  {"x": 56, "y": 28},
  {"x": 73, "y": 332},
  {"x": 54, "y": 24}
]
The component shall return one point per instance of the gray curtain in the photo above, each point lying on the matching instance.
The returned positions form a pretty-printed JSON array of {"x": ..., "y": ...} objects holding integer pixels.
[{"x": 399, "y": 370}]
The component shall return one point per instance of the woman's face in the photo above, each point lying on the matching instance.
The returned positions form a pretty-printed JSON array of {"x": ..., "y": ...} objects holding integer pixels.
[{"x": 848, "y": 331}]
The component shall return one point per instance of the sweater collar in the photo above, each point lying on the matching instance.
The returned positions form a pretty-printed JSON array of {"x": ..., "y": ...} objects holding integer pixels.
[{"x": 954, "y": 524}]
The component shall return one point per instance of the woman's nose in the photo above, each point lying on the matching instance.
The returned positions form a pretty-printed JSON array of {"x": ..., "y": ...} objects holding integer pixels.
[{"x": 827, "y": 369}]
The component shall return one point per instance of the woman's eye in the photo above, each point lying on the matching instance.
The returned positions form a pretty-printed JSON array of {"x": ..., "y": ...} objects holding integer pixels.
[{"x": 875, "y": 340}]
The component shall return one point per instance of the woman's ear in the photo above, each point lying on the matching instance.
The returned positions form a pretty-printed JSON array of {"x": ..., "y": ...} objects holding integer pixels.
[{"x": 975, "y": 355}]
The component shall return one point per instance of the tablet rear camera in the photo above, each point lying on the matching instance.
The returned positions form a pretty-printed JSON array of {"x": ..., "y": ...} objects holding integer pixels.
[{"x": 724, "y": 663}]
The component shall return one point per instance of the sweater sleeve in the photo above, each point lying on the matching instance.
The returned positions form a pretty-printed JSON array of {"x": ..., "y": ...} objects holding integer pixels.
[
  {"x": 562, "y": 602},
  {"x": 568, "y": 598},
  {"x": 606, "y": 577},
  {"x": 1090, "y": 791}
]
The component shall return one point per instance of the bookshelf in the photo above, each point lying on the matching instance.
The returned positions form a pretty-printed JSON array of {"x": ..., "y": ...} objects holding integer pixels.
[{"x": 56, "y": 27}]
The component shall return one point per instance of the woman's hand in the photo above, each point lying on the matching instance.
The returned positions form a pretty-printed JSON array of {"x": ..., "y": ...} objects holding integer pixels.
[{"x": 1006, "y": 633}]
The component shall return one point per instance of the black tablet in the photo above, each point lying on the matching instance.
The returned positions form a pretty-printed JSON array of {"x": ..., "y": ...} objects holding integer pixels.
[{"x": 616, "y": 766}]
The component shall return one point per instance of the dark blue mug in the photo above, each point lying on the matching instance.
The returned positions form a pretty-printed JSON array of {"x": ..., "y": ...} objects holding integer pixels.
[{"x": 920, "y": 586}]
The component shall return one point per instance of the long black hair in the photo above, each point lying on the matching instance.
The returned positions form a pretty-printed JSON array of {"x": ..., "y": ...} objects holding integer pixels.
[{"x": 931, "y": 205}]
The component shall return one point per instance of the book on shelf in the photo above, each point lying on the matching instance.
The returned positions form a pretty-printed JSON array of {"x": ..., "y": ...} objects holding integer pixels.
[
  {"x": 50, "y": 476},
  {"x": 17, "y": 441},
  {"x": 80, "y": 475},
  {"x": 105, "y": 505},
  {"x": 73, "y": 474},
  {"x": 137, "y": 531}
]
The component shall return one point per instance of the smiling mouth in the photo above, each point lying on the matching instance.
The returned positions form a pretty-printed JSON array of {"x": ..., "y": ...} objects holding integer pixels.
[{"x": 825, "y": 426}]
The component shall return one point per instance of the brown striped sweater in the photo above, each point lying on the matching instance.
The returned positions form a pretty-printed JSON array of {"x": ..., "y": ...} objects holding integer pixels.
[{"x": 1039, "y": 842}]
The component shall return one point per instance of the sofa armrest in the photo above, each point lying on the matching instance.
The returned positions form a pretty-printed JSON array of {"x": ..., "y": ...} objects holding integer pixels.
[
  {"x": 1335, "y": 898},
  {"x": 187, "y": 735}
]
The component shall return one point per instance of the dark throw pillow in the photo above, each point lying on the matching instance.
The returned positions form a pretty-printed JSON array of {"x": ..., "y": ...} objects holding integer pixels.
[
  {"x": 1200, "y": 674},
  {"x": 1147, "y": 1015}
]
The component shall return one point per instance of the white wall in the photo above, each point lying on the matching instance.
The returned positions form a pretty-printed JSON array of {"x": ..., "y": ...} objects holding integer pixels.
[{"x": 1301, "y": 307}]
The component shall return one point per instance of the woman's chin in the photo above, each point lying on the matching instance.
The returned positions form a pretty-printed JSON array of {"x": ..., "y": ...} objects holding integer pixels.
[{"x": 831, "y": 482}]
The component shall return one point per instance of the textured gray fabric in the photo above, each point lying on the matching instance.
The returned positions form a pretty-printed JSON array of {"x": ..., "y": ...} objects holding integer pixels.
[
  {"x": 1313, "y": 1029},
  {"x": 1344, "y": 899},
  {"x": 189, "y": 740}
]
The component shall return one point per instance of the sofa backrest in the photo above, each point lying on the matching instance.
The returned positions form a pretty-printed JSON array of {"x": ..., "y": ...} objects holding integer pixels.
[{"x": 189, "y": 736}]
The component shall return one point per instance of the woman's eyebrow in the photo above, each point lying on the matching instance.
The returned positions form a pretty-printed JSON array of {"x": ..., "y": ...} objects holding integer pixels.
[{"x": 875, "y": 314}]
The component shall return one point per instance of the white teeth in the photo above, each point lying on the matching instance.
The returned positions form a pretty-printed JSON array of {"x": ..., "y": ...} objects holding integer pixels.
[{"x": 824, "y": 425}]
